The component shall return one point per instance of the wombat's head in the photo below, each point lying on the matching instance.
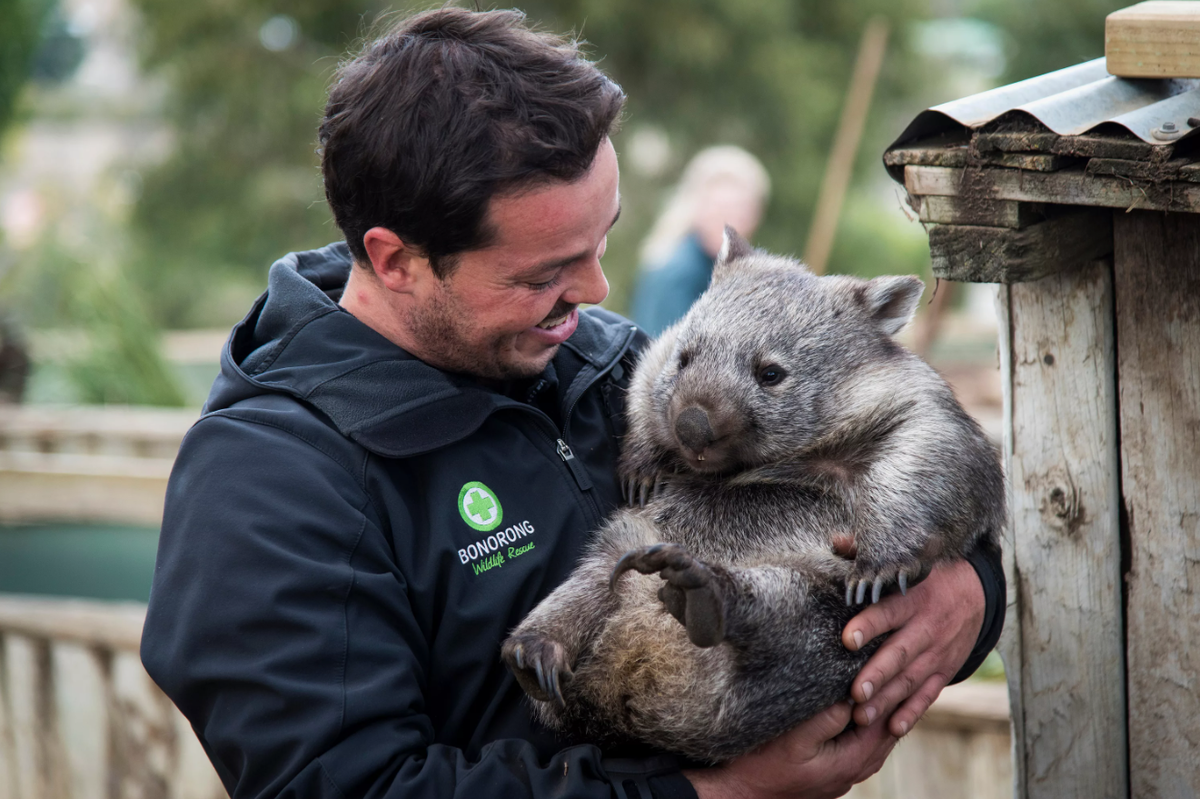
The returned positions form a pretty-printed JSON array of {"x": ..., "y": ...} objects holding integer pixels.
[{"x": 764, "y": 364}]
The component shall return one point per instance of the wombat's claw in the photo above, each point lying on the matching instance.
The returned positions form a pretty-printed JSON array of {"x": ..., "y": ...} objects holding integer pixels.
[
  {"x": 692, "y": 593},
  {"x": 639, "y": 490},
  {"x": 856, "y": 586},
  {"x": 546, "y": 660}
]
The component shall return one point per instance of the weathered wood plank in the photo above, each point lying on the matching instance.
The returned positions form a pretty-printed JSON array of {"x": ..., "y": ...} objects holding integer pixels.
[
  {"x": 1066, "y": 187},
  {"x": 111, "y": 625},
  {"x": 1066, "y": 553},
  {"x": 988, "y": 213},
  {"x": 1037, "y": 162},
  {"x": 1010, "y": 637},
  {"x": 978, "y": 254},
  {"x": 1176, "y": 169},
  {"x": 1154, "y": 40},
  {"x": 1039, "y": 141},
  {"x": 1158, "y": 316},
  {"x": 37, "y": 487},
  {"x": 927, "y": 155},
  {"x": 95, "y": 430}
]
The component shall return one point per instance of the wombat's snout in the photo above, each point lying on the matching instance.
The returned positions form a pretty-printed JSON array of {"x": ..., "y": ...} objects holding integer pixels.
[{"x": 694, "y": 429}]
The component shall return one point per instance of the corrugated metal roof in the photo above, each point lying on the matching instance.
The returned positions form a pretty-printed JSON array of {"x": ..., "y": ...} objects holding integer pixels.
[{"x": 1073, "y": 101}]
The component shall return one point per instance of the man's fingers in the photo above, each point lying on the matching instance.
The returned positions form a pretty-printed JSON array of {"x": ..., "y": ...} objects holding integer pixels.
[
  {"x": 890, "y": 613},
  {"x": 896, "y": 654},
  {"x": 904, "y": 719},
  {"x": 896, "y": 690}
]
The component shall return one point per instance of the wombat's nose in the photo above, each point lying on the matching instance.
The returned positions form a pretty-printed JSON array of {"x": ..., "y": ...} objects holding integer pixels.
[{"x": 693, "y": 429}]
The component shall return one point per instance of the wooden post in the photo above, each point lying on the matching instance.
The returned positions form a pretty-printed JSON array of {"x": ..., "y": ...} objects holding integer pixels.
[
  {"x": 1158, "y": 317},
  {"x": 1065, "y": 658}
]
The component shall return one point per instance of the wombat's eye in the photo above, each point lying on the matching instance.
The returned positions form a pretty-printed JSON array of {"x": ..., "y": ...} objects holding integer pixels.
[
  {"x": 684, "y": 359},
  {"x": 770, "y": 375}
]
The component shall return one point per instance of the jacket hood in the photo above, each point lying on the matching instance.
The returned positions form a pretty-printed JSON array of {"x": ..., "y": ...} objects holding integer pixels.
[{"x": 297, "y": 341}]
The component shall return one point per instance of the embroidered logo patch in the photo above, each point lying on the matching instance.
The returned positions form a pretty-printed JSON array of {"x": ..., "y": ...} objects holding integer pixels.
[{"x": 480, "y": 507}]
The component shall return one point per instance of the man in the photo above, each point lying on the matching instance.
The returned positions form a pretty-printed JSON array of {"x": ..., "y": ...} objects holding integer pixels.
[{"x": 410, "y": 439}]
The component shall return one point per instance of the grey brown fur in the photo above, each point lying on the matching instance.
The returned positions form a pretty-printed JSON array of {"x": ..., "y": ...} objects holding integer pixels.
[{"x": 776, "y": 417}]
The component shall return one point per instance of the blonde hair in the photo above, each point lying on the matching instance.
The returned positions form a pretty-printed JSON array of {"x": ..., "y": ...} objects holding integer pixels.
[{"x": 712, "y": 165}]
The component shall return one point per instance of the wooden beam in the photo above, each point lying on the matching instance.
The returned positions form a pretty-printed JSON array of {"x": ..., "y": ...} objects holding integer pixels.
[
  {"x": 927, "y": 155},
  {"x": 988, "y": 213},
  {"x": 1066, "y": 187},
  {"x": 1158, "y": 332},
  {"x": 1063, "y": 647},
  {"x": 1156, "y": 39},
  {"x": 1042, "y": 141},
  {"x": 977, "y": 254},
  {"x": 51, "y": 487}
]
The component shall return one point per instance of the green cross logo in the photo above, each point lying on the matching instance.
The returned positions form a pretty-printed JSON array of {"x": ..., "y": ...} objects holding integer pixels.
[{"x": 480, "y": 508}]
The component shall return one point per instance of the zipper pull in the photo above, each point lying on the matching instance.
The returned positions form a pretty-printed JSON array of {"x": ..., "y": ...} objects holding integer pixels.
[{"x": 577, "y": 470}]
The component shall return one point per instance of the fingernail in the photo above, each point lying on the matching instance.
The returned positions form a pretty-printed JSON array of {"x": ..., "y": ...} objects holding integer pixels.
[
  {"x": 868, "y": 689},
  {"x": 858, "y": 639},
  {"x": 870, "y": 714},
  {"x": 903, "y": 728}
]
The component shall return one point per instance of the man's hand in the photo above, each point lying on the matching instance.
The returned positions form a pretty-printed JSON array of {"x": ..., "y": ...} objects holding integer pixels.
[
  {"x": 819, "y": 759},
  {"x": 933, "y": 629}
]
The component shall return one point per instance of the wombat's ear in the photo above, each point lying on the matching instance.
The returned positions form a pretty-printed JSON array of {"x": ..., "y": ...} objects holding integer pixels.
[
  {"x": 892, "y": 300},
  {"x": 733, "y": 247}
]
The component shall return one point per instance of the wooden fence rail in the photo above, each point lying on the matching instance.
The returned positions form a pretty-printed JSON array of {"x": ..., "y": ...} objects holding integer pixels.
[{"x": 80, "y": 718}]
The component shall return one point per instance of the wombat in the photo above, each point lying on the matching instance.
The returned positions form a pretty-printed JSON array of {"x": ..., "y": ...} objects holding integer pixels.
[{"x": 777, "y": 418}]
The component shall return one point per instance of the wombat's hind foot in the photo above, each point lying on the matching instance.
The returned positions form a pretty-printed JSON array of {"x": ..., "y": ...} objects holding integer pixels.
[
  {"x": 539, "y": 664},
  {"x": 876, "y": 579},
  {"x": 692, "y": 594}
]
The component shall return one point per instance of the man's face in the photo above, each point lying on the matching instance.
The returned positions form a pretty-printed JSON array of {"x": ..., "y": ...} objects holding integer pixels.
[{"x": 504, "y": 310}]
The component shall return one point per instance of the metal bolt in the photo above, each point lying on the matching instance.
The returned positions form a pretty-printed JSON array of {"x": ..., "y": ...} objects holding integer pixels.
[{"x": 1168, "y": 126}]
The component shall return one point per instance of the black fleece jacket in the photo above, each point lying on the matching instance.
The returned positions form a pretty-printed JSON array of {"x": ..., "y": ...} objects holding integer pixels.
[{"x": 350, "y": 533}]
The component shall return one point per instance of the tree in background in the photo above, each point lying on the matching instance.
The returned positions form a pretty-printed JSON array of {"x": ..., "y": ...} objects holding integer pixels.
[
  {"x": 20, "y": 31},
  {"x": 248, "y": 82},
  {"x": 243, "y": 186}
]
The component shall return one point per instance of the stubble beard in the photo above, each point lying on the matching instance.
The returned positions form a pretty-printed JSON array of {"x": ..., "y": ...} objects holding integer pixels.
[{"x": 441, "y": 326}]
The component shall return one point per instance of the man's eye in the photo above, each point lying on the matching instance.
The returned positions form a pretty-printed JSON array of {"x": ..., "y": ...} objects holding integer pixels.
[{"x": 549, "y": 284}]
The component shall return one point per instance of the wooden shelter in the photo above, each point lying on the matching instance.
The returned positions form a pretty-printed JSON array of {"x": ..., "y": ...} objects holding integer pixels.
[{"x": 1079, "y": 193}]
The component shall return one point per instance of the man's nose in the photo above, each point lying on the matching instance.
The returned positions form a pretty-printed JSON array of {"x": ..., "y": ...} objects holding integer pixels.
[{"x": 588, "y": 285}]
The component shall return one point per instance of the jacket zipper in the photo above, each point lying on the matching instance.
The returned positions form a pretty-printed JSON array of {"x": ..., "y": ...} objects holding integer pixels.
[{"x": 577, "y": 470}]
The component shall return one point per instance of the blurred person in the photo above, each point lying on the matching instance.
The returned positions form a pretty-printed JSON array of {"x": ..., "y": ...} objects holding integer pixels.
[
  {"x": 722, "y": 185},
  {"x": 411, "y": 437}
]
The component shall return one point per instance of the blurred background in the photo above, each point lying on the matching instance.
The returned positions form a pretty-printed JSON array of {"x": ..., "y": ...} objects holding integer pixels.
[{"x": 156, "y": 156}]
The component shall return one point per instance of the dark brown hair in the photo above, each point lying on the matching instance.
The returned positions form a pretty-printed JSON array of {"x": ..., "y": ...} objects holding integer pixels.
[{"x": 447, "y": 109}]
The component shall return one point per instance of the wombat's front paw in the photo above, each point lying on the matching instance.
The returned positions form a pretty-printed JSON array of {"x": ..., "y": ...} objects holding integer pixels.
[
  {"x": 692, "y": 594},
  {"x": 540, "y": 665},
  {"x": 879, "y": 576},
  {"x": 640, "y": 488}
]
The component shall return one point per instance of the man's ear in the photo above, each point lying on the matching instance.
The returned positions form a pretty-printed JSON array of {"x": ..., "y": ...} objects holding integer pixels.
[
  {"x": 892, "y": 300},
  {"x": 398, "y": 266},
  {"x": 733, "y": 248}
]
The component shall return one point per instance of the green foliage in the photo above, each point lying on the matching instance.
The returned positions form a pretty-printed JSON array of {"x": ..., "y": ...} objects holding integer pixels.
[
  {"x": 121, "y": 361},
  {"x": 113, "y": 355},
  {"x": 243, "y": 185},
  {"x": 1045, "y": 36},
  {"x": 20, "y": 29}
]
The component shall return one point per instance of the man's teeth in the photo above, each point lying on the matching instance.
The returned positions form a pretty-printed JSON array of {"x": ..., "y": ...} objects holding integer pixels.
[{"x": 555, "y": 322}]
